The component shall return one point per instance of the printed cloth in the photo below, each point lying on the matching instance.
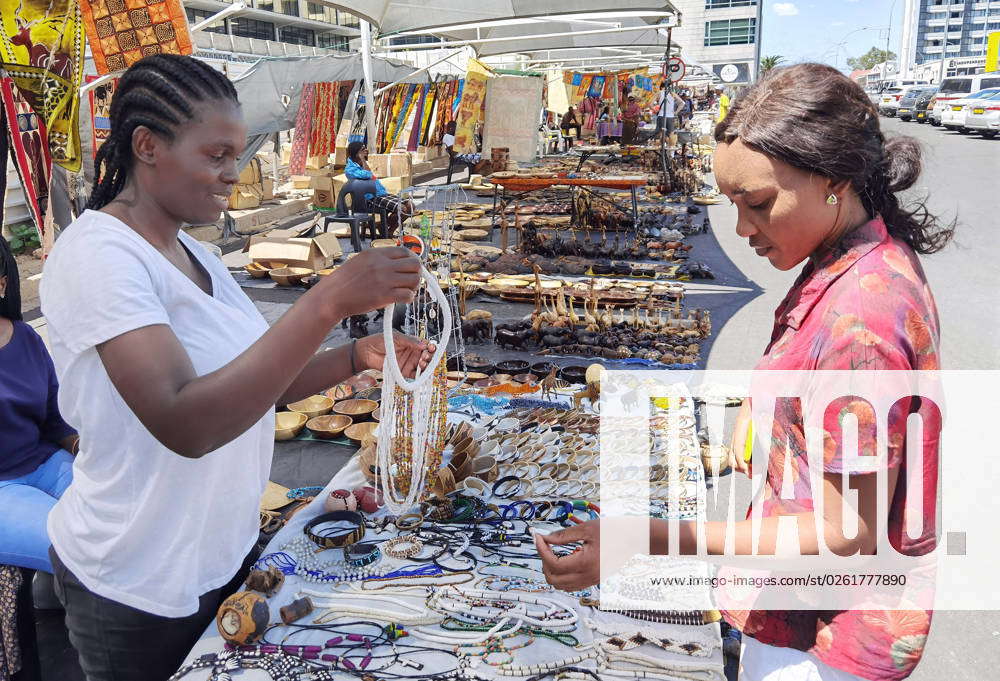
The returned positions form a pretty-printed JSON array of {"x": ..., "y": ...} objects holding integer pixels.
[
  {"x": 41, "y": 48},
  {"x": 470, "y": 111},
  {"x": 303, "y": 130},
  {"x": 26, "y": 133},
  {"x": 326, "y": 101},
  {"x": 866, "y": 305},
  {"x": 100, "y": 111},
  {"x": 10, "y": 649},
  {"x": 121, "y": 32}
]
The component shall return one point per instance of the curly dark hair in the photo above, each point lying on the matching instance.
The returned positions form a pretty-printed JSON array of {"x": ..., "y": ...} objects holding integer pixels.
[
  {"x": 813, "y": 117},
  {"x": 158, "y": 92}
]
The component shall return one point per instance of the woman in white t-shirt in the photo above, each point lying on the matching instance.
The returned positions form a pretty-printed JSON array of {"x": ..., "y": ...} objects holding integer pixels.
[{"x": 170, "y": 374}]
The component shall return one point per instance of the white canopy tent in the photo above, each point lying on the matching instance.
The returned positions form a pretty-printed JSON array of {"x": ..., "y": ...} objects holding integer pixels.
[{"x": 392, "y": 17}]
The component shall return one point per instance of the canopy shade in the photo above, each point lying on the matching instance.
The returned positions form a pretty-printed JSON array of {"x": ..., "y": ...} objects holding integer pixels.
[
  {"x": 270, "y": 90},
  {"x": 579, "y": 36},
  {"x": 394, "y": 16}
]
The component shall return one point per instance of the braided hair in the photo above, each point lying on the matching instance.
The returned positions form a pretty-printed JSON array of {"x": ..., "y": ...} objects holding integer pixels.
[
  {"x": 10, "y": 302},
  {"x": 160, "y": 93},
  {"x": 815, "y": 118}
]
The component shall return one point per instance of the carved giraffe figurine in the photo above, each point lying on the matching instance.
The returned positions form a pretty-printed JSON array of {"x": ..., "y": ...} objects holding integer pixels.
[{"x": 549, "y": 383}]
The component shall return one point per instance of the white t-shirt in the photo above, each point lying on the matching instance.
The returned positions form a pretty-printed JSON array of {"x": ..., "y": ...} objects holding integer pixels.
[
  {"x": 667, "y": 103},
  {"x": 448, "y": 140},
  {"x": 141, "y": 524}
]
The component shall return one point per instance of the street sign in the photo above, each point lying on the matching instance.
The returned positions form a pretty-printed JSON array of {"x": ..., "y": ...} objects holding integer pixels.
[{"x": 675, "y": 69}]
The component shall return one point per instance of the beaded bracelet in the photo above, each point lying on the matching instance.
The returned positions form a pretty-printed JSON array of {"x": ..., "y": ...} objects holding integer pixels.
[
  {"x": 513, "y": 490},
  {"x": 404, "y": 547}
]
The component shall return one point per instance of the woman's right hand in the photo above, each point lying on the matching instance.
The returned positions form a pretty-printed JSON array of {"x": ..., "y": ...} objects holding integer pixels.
[{"x": 371, "y": 280}]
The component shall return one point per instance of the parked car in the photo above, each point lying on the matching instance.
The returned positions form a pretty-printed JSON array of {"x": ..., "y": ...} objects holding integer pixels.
[
  {"x": 908, "y": 104},
  {"x": 888, "y": 105},
  {"x": 923, "y": 105},
  {"x": 983, "y": 116},
  {"x": 959, "y": 87},
  {"x": 953, "y": 116}
]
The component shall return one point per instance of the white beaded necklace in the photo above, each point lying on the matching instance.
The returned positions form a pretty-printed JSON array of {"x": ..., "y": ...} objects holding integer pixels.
[{"x": 421, "y": 391}]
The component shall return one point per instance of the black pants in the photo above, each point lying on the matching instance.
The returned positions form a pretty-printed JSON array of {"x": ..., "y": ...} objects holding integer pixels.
[
  {"x": 116, "y": 642},
  {"x": 579, "y": 132}
]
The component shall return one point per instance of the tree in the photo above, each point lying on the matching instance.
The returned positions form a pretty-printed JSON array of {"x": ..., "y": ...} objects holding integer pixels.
[
  {"x": 768, "y": 63},
  {"x": 868, "y": 60}
]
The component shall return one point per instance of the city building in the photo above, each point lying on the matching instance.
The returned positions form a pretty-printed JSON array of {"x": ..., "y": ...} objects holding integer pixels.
[
  {"x": 955, "y": 32},
  {"x": 271, "y": 28},
  {"x": 721, "y": 36}
]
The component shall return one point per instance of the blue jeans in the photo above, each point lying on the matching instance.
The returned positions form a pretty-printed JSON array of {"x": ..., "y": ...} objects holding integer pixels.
[{"x": 25, "y": 503}]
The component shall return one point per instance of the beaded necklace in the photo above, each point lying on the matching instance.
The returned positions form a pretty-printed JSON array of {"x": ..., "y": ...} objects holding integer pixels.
[{"x": 413, "y": 414}]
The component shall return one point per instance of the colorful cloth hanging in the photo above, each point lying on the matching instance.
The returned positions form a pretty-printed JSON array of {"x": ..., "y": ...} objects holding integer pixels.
[
  {"x": 100, "y": 112},
  {"x": 303, "y": 131},
  {"x": 428, "y": 114},
  {"x": 42, "y": 48},
  {"x": 418, "y": 118},
  {"x": 471, "y": 106},
  {"x": 121, "y": 32},
  {"x": 26, "y": 132},
  {"x": 326, "y": 101},
  {"x": 407, "y": 99}
]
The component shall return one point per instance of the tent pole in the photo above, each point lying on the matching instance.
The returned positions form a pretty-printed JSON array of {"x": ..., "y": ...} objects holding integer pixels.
[
  {"x": 366, "y": 67},
  {"x": 417, "y": 72}
]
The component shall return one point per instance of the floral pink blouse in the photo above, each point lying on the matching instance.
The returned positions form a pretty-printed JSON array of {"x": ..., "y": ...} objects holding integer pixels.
[{"x": 866, "y": 305}]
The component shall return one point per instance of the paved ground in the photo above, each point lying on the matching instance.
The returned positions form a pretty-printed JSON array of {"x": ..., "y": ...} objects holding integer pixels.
[{"x": 960, "y": 180}]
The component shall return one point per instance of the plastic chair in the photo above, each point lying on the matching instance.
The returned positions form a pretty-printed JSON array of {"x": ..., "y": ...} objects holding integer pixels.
[{"x": 354, "y": 212}]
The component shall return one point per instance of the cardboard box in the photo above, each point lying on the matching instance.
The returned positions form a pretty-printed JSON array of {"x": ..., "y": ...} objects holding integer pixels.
[
  {"x": 340, "y": 155},
  {"x": 394, "y": 185},
  {"x": 391, "y": 165},
  {"x": 251, "y": 173},
  {"x": 286, "y": 246},
  {"x": 301, "y": 181},
  {"x": 245, "y": 196},
  {"x": 267, "y": 188},
  {"x": 324, "y": 195},
  {"x": 317, "y": 162}
]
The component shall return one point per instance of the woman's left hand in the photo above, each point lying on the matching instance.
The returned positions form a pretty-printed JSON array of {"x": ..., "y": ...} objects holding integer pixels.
[{"x": 411, "y": 353}]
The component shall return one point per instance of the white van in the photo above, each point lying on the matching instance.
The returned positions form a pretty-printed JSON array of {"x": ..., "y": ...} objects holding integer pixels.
[{"x": 960, "y": 87}]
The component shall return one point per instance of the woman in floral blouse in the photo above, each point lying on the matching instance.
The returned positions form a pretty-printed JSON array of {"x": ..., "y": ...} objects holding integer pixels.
[{"x": 802, "y": 157}]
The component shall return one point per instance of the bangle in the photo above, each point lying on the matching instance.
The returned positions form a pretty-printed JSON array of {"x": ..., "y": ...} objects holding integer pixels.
[
  {"x": 354, "y": 368},
  {"x": 409, "y": 521},
  {"x": 402, "y": 548},
  {"x": 511, "y": 490},
  {"x": 361, "y": 555},
  {"x": 344, "y": 538}
]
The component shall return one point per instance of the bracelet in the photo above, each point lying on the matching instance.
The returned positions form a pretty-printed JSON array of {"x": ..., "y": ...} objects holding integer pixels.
[
  {"x": 513, "y": 491},
  {"x": 409, "y": 521},
  {"x": 360, "y": 555},
  {"x": 402, "y": 547},
  {"x": 354, "y": 368},
  {"x": 345, "y": 538}
]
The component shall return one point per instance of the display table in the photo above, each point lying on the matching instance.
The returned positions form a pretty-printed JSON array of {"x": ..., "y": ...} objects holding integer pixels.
[
  {"x": 693, "y": 654},
  {"x": 523, "y": 186},
  {"x": 608, "y": 129}
]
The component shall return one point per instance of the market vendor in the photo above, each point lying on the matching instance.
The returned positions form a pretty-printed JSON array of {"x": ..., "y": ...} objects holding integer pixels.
[
  {"x": 396, "y": 209},
  {"x": 630, "y": 121},
  {"x": 667, "y": 106},
  {"x": 802, "y": 157},
  {"x": 171, "y": 375},
  {"x": 36, "y": 444},
  {"x": 448, "y": 140},
  {"x": 570, "y": 121}
]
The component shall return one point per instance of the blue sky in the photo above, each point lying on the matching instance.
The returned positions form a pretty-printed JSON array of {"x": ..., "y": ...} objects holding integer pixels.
[{"x": 813, "y": 30}]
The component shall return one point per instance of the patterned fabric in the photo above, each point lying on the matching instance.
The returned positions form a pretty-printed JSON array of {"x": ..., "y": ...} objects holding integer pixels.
[
  {"x": 867, "y": 306},
  {"x": 303, "y": 130},
  {"x": 326, "y": 101},
  {"x": 26, "y": 133},
  {"x": 427, "y": 118},
  {"x": 121, "y": 32},
  {"x": 401, "y": 112},
  {"x": 41, "y": 48},
  {"x": 100, "y": 111},
  {"x": 418, "y": 118},
  {"x": 10, "y": 650}
]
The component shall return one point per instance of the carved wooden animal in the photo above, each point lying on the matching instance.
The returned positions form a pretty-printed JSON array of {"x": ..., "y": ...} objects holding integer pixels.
[
  {"x": 592, "y": 392},
  {"x": 549, "y": 383}
]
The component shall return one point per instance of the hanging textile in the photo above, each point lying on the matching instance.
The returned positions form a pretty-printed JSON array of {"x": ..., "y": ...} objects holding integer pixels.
[
  {"x": 41, "y": 48},
  {"x": 399, "y": 123},
  {"x": 456, "y": 101},
  {"x": 303, "y": 130},
  {"x": 428, "y": 114},
  {"x": 471, "y": 106},
  {"x": 596, "y": 88},
  {"x": 100, "y": 112},
  {"x": 445, "y": 100},
  {"x": 26, "y": 132},
  {"x": 388, "y": 106},
  {"x": 121, "y": 32},
  {"x": 418, "y": 119},
  {"x": 323, "y": 138}
]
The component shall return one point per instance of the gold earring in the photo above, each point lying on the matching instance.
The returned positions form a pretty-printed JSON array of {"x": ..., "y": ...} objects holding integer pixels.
[{"x": 832, "y": 200}]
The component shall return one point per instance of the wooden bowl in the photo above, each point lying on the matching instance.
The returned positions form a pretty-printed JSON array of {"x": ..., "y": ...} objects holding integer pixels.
[
  {"x": 290, "y": 276},
  {"x": 383, "y": 243},
  {"x": 339, "y": 392},
  {"x": 355, "y": 408},
  {"x": 486, "y": 383},
  {"x": 573, "y": 374},
  {"x": 317, "y": 405},
  {"x": 328, "y": 427},
  {"x": 258, "y": 270},
  {"x": 541, "y": 368},
  {"x": 513, "y": 366},
  {"x": 288, "y": 424},
  {"x": 360, "y": 431},
  {"x": 526, "y": 378},
  {"x": 377, "y": 414}
]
